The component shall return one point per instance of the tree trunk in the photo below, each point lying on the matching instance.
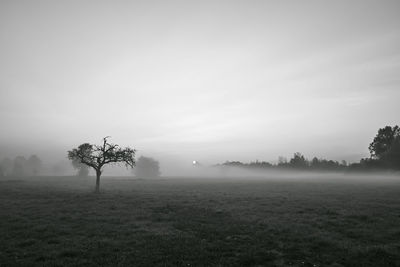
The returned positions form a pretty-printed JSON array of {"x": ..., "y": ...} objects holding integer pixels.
[{"x": 98, "y": 174}]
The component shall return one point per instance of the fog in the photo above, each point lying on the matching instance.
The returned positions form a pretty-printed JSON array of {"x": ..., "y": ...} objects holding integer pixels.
[
  {"x": 198, "y": 80},
  {"x": 186, "y": 169},
  {"x": 184, "y": 81},
  {"x": 199, "y": 133}
]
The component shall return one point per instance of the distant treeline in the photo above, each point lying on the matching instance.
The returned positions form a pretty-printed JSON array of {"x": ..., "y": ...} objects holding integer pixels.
[
  {"x": 297, "y": 162},
  {"x": 33, "y": 166},
  {"x": 20, "y": 166},
  {"x": 384, "y": 155}
]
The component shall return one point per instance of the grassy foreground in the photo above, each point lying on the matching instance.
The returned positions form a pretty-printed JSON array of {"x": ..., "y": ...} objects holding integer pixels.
[{"x": 199, "y": 222}]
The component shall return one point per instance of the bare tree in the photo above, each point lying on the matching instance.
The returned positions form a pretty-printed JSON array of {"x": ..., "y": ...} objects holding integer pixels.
[{"x": 96, "y": 156}]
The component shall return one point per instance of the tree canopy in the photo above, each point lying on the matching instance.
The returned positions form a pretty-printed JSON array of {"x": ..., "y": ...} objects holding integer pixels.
[
  {"x": 147, "y": 168},
  {"x": 384, "y": 141}
]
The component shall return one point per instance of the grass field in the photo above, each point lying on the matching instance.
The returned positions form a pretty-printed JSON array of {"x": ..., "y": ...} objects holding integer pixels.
[{"x": 58, "y": 221}]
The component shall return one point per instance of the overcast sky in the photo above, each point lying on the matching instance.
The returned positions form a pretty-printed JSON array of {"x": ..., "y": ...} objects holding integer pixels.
[{"x": 199, "y": 80}]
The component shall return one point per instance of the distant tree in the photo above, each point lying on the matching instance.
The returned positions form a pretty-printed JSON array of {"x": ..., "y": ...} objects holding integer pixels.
[
  {"x": 234, "y": 164},
  {"x": 83, "y": 170},
  {"x": 96, "y": 156},
  {"x": 323, "y": 164},
  {"x": 282, "y": 162},
  {"x": 298, "y": 161},
  {"x": 34, "y": 165},
  {"x": 371, "y": 164},
  {"x": 383, "y": 141},
  {"x": 259, "y": 164},
  {"x": 315, "y": 163},
  {"x": 147, "y": 168},
  {"x": 392, "y": 155},
  {"x": 20, "y": 166},
  {"x": 6, "y": 166}
]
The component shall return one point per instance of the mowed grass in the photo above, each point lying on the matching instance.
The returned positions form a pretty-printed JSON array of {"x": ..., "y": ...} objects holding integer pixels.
[{"x": 59, "y": 221}]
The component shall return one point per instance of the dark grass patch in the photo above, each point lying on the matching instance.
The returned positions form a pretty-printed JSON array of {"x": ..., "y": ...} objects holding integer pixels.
[{"x": 199, "y": 223}]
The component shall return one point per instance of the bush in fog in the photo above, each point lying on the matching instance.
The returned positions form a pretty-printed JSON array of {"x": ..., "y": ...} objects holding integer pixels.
[
  {"x": 259, "y": 164},
  {"x": 19, "y": 166},
  {"x": 298, "y": 161},
  {"x": 24, "y": 167},
  {"x": 34, "y": 165},
  {"x": 324, "y": 164},
  {"x": 83, "y": 170},
  {"x": 282, "y": 161},
  {"x": 147, "y": 168},
  {"x": 234, "y": 164},
  {"x": 6, "y": 166}
]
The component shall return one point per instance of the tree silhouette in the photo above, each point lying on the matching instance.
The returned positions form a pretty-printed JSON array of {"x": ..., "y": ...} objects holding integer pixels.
[
  {"x": 34, "y": 165},
  {"x": 298, "y": 161},
  {"x": 282, "y": 161},
  {"x": 96, "y": 156},
  {"x": 6, "y": 166},
  {"x": 392, "y": 155},
  {"x": 19, "y": 167},
  {"x": 383, "y": 141},
  {"x": 147, "y": 168}
]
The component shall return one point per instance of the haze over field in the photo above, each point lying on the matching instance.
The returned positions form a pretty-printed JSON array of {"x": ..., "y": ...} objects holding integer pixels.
[
  {"x": 198, "y": 80},
  {"x": 253, "y": 132}
]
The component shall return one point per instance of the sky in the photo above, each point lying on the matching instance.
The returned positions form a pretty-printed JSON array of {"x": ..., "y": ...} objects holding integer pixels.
[{"x": 199, "y": 80}]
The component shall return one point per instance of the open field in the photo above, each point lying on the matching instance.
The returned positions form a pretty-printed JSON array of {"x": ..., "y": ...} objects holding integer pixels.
[{"x": 58, "y": 221}]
